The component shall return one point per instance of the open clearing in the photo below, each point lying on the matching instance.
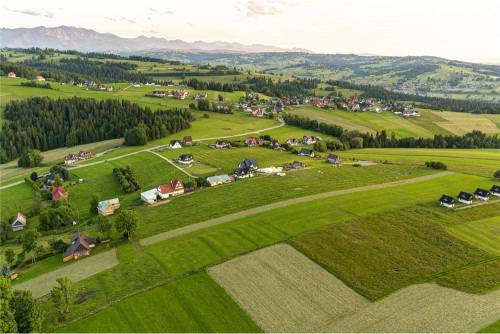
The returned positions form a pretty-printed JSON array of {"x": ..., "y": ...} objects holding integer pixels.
[
  {"x": 460, "y": 123},
  {"x": 77, "y": 271},
  {"x": 423, "y": 308},
  {"x": 284, "y": 291},
  {"x": 484, "y": 233},
  {"x": 192, "y": 304},
  {"x": 212, "y": 222}
]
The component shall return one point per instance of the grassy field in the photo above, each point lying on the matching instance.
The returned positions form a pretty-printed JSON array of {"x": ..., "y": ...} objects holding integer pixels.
[
  {"x": 423, "y": 308},
  {"x": 380, "y": 254},
  {"x": 484, "y": 233},
  {"x": 479, "y": 278},
  {"x": 284, "y": 291},
  {"x": 493, "y": 328},
  {"x": 77, "y": 271},
  {"x": 461, "y": 123},
  {"x": 192, "y": 304}
]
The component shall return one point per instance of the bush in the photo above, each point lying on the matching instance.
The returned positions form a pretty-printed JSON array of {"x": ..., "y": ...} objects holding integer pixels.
[
  {"x": 497, "y": 174},
  {"x": 436, "y": 165},
  {"x": 31, "y": 158},
  {"x": 192, "y": 106},
  {"x": 127, "y": 178}
]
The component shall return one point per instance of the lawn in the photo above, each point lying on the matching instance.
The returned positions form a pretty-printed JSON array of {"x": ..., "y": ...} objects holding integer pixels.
[
  {"x": 284, "y": 291},
  {"x": 423, "y": 308},
  {"x": 484, "y": 233},
  {"x": 192, "y": 304}
]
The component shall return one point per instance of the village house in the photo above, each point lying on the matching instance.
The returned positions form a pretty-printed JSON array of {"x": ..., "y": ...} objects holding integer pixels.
[
  {"x": 58, "y": 193},
  {"x": 447, "y": 201},
  {"x": 11, "y": 75},
  {"x": 495, "y": 190},
  {"x": 293, "y": 142},
  {"x": 308, "y": 140},
  {"x": 274, "y": 144},
  {"x": 19, "y": 222},
  {"x": 150, "y": 196},
  {"x": 482, "y": 194},
  {"x": 186, "y": 159},
  {"x": 175, "y": 144},
  {"x": 109, "y": 88},
  {"x": 170, "y": 83},
  {"x": 180, "y": 94},
  {"x": 258, "y": 113},
  {"x": 218, "y": 179},
  {"x": 85, "y": 155},
  {"x": 159, "y": 93},
  {"x": 252, "y": 141},
  {"x": 101, "y": 87},
  {"x": 174, "y": 188},
  {"x": 306, "y": 152},
  {"x": 298, "y": 165},
  {"x": 243, "y": 172},
  {"x": 250, "y": 163},
  {"x": 200, "y": 96},
  {"x": 464, "y": 197},
  {"x": 333, "y": 159},
  {"x": 51, "y": 177},
  {"x": 222, "y": 144},
  {"x": 108, "y": 207},
  {"x": 70, "y": 159},
  {"x": 39, "y": 78},
  {"x": 187, "y": 141},
  {"x": 80, "y": 246}
]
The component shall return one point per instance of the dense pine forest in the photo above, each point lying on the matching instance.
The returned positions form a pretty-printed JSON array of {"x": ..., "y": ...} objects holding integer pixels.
[
  {"x": 437, "y": 103},
  {"x": 356, "y": 139},
  {"x": 44, "y": 123},
  {"x": 283, "y": 89}
]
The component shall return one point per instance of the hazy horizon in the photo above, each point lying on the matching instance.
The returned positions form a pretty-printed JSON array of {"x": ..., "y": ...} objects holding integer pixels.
[{"x": 454, "y": 30}]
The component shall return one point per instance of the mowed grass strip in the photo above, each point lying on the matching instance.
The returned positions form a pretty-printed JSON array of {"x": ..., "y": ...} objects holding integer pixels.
[
  {"x": 484, "y": 233},
  {"x": 284, "y": 291},
  {"x": 423, "y": 308},
  {"x": 379, "y": 254},
  {"x": 192, "y": 304},
  {"x": 77, "y": 271}
]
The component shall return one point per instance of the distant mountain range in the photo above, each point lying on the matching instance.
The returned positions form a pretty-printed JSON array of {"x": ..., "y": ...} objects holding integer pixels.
[{"x": 86, "y": 40}]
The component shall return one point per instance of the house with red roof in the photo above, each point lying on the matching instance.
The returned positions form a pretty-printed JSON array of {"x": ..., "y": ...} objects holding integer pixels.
[
  {"x": 39, "y": 78},
  {"x": 252, "y": 141},
  {"x": 174, "y": 188},
  {"x": 58, "y": 193},
  {"x": 11, "y": 75}
]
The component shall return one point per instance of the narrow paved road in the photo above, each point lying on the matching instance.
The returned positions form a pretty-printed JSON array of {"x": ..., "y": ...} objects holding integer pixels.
[
  {"x": 155, "y": 147},
  {"x": 237, "y": 215},
  {"x": 173, "y": 164}
]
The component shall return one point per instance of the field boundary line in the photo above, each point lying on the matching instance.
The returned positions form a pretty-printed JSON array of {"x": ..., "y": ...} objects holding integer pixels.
[
  {"x": 241, "y": 214},
  {"x": 173, "y": 164},
  {"x": 476, "y": 204}
]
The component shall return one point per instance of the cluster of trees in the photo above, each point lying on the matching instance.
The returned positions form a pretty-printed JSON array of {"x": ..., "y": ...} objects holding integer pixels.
[
  {"x": 436, "y": 165},
  {"x": 356, "y": 139},
  {"x": 127, "y": 179},
  {"x": 43, "y": 123},
  {"x": 29, "y": 158},
  {"x": 36, "y": 84},
  {"x": 205, "y": 105},
  {"x": 429, "y": 102},
  {"x": 299, "y": 87},
  {"x": 54, "y": 218},
  {"x": 19, "y": 310},
  {"x": 100, "y": 71},
  {"x": 212, "y": 85}
]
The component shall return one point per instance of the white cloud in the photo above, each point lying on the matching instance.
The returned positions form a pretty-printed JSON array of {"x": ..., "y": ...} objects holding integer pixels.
[{"x": 32, "y": 12}]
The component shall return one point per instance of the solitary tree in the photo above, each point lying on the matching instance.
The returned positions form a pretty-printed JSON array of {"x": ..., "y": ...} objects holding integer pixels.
[
  {"x": 127, "y": 222},
  {"x": 497, "y": 174},
  {"x": 57, "y": 181},
  {"x": 63, "y": 295},
  {"x": 94, "y": 202},
  {"x": 30, "y": 242},
  {"x": 27, "y": 312},
  {"x": 104, "y": 226},
  {"x": 5, "y": 270},
  {"x": 10, "y": 256}
]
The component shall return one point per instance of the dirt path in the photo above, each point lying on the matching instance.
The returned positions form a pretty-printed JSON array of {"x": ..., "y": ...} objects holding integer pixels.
[
  {"x": 477, "y": 204},
  {"x": 173, "y": 164},
  {"x": 237, "y": 215}
]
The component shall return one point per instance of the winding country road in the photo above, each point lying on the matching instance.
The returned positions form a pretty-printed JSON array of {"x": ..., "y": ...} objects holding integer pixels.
[
  {"x": 245, "y": 213},
  {"x": 156, "y": 147}
]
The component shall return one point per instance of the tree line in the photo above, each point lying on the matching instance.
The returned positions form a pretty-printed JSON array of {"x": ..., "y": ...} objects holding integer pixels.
[
  {"x": 43, "y": 123},
  {"x": 429, "y": 102},
  {"x": 356, "y": 139},
  {"x": 282, "y": 89},
  {"x": 212, "y": 85}
]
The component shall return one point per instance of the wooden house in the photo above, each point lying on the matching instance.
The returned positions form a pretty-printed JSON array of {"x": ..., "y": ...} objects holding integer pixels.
[
  {"x": 187, "y": 141},
  {"x": 252, "y": 141},
  {"x": 19, "y": 222},
  {"x": 70, "y": 159},
  {"x": 306, "y": 152},
  {"x": 58, "y": 193},
  {"x": 218, "y": 179},
  {"x": 80, "y": 246},
  {"x": 293, "y": 142},
  {"x": 108, "y": 207},
  {"x": 308, "y": 140},
  {"x": 333, "y": 159}
]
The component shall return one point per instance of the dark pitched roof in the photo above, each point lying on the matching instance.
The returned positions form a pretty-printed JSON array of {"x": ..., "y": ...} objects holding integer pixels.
[
  {"x": 186, "y": 156},
  {"x": 333, "y": 156},
  {"x": 495, "y": 189},
  {"x": 78, "y": 241},
  {"x": 306, "y": 151},
  {"x": 172, "y": 142},
  {"x": 242, "y": 170},
  {"x": 465, "y": 196},
  {"x": 188, "y": 138},
  {"x": 447, "y": 199},
  {"x": 482, "y": 192},
  {"x": 249, "y": 163}
]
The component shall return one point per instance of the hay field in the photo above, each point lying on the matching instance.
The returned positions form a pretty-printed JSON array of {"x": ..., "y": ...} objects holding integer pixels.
[
  {"x": 484, "y": 233},
  {"x": 423, "y": 308},
  {"x": 77, "y": 271},
  {"x": 284, "y": 291},
  {"x": 461, "y": 123}
]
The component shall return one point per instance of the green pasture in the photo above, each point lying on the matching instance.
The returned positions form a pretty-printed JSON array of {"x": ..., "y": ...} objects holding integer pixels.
[{"x": 484, "y": 233}]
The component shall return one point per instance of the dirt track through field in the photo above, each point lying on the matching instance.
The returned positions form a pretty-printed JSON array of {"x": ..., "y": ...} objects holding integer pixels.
[
  {"x": 237, "y": 215},
  {"x": 173, "y": 164}
]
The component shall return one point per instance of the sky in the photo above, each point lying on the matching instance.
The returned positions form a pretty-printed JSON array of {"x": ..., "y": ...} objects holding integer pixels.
[{"x": 462, "y": 30}]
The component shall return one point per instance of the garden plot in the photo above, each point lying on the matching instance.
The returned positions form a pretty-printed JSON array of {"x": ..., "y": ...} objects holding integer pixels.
[
  {"x": 284, "y": 291},
  {"x": 76, "y": 271},
  {"x": 423, "y": 308}
]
